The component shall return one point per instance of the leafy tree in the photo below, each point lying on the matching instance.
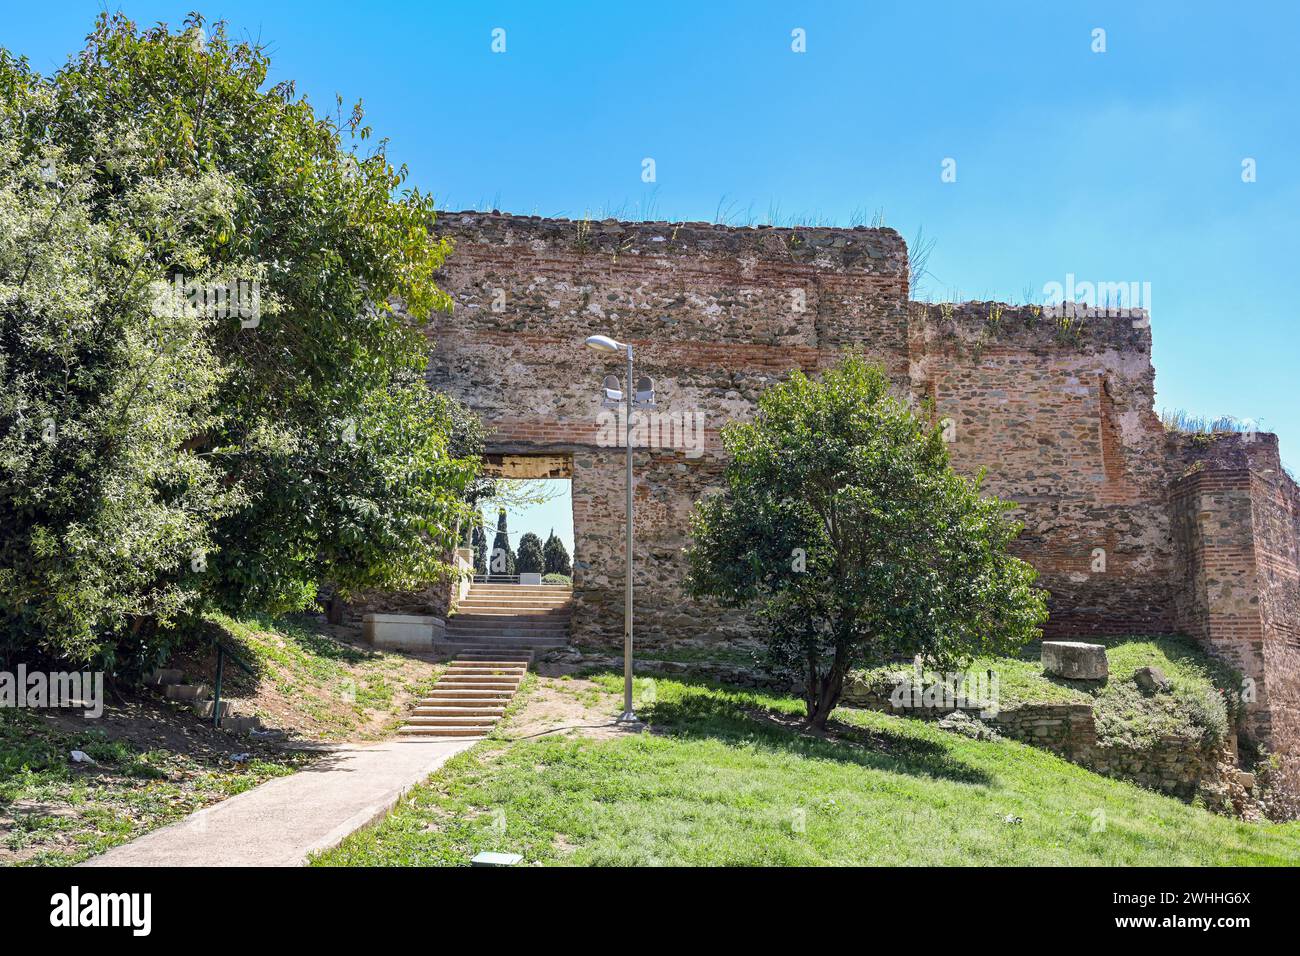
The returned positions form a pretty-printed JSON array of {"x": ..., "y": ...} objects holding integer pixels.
[
  {"x": 842, "y": 521},
  {"x": 502, "y": 558},
  {"x": 106, "y": 514},
  {"x": 556, "y": 556},
  {"x": 327, "y": 456},
  {"x": 530, "y": 560}
]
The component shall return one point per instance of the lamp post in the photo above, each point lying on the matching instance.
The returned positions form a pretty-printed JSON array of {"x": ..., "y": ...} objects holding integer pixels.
[{"x": 641, "y": 398}]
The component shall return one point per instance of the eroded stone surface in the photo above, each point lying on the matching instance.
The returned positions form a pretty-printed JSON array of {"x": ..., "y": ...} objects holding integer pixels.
[{"x": 1075, "y": 660}]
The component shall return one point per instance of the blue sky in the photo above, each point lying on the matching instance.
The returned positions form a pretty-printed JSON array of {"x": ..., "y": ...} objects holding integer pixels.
[{"x": 1115, "y": 166}]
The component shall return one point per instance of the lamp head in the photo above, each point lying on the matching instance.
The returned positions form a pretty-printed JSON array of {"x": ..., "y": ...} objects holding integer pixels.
[{"x": 603, "y": 343}]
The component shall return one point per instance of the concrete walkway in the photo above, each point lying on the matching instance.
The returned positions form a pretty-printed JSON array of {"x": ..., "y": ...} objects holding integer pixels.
[{"x": 280, "y": 822}]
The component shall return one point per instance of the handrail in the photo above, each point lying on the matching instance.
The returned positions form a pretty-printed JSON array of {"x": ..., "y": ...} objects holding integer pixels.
[{"x": 222, "y": 651}]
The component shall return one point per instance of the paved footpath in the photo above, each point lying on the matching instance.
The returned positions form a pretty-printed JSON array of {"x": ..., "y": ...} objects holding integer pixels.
[{"x": 280, "y": 822}]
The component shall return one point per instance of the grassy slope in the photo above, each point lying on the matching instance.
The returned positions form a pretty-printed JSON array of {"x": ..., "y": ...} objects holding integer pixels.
[
  {"x": 727, "y": 778},
  {"x": 1124, "y": 714},
  {"x": 315, "y": 685},
  {"x": 308, "y": 683},
  {"x": 56, "y": 812}
]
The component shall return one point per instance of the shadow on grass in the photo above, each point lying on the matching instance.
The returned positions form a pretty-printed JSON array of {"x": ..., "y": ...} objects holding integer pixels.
[{"x": 715, "y": 711}]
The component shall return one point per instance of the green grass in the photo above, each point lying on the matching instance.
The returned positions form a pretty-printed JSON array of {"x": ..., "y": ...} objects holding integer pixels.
[
  {"x": 55, "y": 812},
  {"x": 727, "y": 778},
  {"x": 1198, "y": 703},
  {"x": 336, "y": 688}
]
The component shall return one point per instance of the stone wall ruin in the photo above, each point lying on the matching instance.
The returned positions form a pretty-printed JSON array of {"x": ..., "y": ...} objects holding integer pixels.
[{"x": 1133, "y": 530}]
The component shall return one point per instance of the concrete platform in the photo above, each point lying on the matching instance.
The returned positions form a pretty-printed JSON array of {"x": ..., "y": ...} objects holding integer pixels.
[
  {"x": 285, "y": 819},
  {"x": 402, "y": 632}
]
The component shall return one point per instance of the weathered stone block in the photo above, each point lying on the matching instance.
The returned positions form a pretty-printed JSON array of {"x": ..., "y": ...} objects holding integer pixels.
[{"x": 1075, "y": 660}]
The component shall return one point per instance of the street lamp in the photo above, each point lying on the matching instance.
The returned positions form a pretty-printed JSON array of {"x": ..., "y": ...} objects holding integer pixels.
[{"x": 629, "y": 397}]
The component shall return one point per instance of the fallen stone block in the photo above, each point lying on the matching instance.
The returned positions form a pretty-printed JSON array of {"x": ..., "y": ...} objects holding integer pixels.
[
  {"x": 1075, "y": 660},
  {"x": 162, "y": 676},
  {"x": 187, "y": 692}
]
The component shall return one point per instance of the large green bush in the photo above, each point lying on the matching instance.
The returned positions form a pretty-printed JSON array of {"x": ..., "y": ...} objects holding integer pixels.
[
  {"x": 842, "y": 522},
  {"x": 257, "y": 451}
]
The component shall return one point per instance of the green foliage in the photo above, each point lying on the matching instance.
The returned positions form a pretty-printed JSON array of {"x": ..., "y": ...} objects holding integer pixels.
[
  {"x": 479, "y": 541},
  {"x": 201, "y": 460},
  {"x": 842, "y": 521},
  {"x": 104, "y": 509},
  {"x": 556, "y": 556},
  {"x": 552, "y": 578},
  {"x": 529, "y": 560},
  {"x": 501, "y": 560}
]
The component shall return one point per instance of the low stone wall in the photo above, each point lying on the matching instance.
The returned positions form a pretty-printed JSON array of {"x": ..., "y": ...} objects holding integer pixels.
[{"x": 1184, "y": 767}]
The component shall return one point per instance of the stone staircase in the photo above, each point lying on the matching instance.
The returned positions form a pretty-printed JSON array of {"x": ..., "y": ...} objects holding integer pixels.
[
  {"x": 199, "y": 696},
  {"x": 491, "y": 640},
  {"x": 514, "y": 617},
  {"x": 470, "y": 696}
]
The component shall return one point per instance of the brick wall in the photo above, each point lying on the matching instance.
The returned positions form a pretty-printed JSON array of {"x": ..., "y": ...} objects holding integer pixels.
[{"x": 1132, "y": 531}]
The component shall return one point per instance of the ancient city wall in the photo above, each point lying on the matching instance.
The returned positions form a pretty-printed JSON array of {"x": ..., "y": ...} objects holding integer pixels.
[{"x": 1132, "y": 530}]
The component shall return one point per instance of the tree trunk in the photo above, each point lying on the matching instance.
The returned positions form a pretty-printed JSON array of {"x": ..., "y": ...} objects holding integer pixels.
[{"x": 832, "y": 686}]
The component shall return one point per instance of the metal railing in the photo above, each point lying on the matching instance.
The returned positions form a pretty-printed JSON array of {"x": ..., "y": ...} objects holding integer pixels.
[
  {"x": 222, "y": 652},
  {"x": 512, "y": 579}
]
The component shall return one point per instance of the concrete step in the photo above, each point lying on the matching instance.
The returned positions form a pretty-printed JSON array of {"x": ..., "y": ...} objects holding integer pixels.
[
  {"x": 492, "y": 675},
  {"x": 493, "y": 622},
  {"x": 450, "y": 649},
  {"x": 467, "y": 679},
  {"x": 203, "y": 709},
  {"x": 542, "y": 604},
  {"x": 240, "y": 725},
  {"x": 417, "y": 731},
  {"x": 454, "y": 677},
  {"x": 510, "y": 659},
  {"x": 471, "y": 644},
  {"x": 561, "y": 613},
  {"x": 496, "y": 667},
  {"x": 162, "y": 676},
  {"x": 187, "y": 692},
  {"x": 508, "y": 629},
  {"x": 442, "y": 710},
  {"x": 466, "y": 721},
  {"x": 469, "y": 690},
  {"x": 493, "y": 600}
]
